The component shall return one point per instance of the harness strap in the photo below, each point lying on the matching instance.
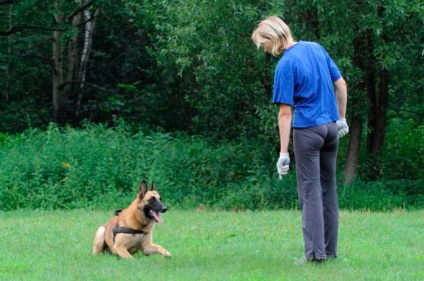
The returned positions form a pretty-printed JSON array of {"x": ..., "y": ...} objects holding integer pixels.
[{"x": 117, "y": 229}]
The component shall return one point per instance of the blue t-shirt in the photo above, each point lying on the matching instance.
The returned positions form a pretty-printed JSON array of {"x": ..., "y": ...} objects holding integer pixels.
[{"x": 304, "y": 79}]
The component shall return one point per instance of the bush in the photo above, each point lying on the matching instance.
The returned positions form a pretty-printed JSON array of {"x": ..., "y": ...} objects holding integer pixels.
[
  {"x": 68, "y": 169},
  {"x": 404, "y": 150},
  {"x": 382, "y": 195},
  {"x": 100, "y": 167},
  {"x": 97, "y": 166}
]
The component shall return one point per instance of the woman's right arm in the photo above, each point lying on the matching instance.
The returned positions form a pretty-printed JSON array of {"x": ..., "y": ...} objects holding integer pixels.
[{"x": 284, "y": 125}]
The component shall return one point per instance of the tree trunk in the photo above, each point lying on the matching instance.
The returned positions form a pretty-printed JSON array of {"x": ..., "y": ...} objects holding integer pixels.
[
  {"x": 64, "y": 71},
  {"x": 6, "y": 90},
  {"x": 71, "y": 61},
  {"x": 377, "y": 115},
  {"x": 59, "y": 100},
  {"x": 355, "y": 133},
  {"x": 378, "y": 103},
  {"x": 363, "y": 60},
  {"x": 377, "y": 125},
  {"x": 88, "y": 41}
]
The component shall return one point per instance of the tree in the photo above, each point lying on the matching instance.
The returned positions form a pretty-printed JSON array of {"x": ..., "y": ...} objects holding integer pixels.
[
  {"x": 207, "y": 57},
  {"x": 65, "y": 72},
  {"x": 29, "y": 21},
  {"x": 191, "y": 66},
  {"x": 376, "y": 30},
  {"x": 8, "y": 23}
]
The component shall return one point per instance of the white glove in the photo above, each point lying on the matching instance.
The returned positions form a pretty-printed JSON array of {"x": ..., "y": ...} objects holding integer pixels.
[
  {"x": 283, "y": 164},
  {"x": 342, "y": 127}
]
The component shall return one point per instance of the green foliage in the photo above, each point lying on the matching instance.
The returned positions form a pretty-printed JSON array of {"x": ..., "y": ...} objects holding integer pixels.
[
  {"x": 193, "y": 63},
  {"x": 204, "y": 51},
  {"x": 382, "y": 195},
  {"x": 90, "y": 167},
  {"x": 190, "y": 66},
  {"x": 98, "y": 166},
  {"x": 404, "y": 150}
]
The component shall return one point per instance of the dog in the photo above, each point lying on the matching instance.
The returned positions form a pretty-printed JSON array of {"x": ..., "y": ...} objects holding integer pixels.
[{"x": 131, "y": 230}]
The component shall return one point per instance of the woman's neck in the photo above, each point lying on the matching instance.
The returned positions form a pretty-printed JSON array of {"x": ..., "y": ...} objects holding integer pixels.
[{"x": 291, "y": 44}]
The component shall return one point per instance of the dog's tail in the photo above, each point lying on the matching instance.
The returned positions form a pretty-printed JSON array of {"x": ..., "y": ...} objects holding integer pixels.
[{"x": 99, "y": 240}]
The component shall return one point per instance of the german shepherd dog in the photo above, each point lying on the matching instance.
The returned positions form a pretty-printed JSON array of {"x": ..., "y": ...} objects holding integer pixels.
[{"x": 131, "y": 229}]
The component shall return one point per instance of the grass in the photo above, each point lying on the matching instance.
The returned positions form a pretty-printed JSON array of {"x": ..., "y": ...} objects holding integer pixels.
[{"x": 45, "y": 245}]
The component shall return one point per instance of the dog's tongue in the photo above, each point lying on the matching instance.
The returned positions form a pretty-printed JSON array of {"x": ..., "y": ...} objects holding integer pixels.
[{"x": 156, "y": 216}]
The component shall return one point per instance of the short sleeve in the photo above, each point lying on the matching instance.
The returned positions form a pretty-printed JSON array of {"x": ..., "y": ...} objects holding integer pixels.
[
  {"x": 283, "y": 84},
  {"x": 334, "y": 70}
]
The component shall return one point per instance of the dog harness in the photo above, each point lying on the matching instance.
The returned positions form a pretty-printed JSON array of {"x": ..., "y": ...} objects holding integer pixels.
[{"x": 117, "y": 229}]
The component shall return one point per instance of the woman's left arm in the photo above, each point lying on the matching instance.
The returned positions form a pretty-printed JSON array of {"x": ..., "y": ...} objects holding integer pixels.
[{"x": 341, "y": 96}]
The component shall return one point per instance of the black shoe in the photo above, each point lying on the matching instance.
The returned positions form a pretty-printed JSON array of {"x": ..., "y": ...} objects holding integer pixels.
[{"x": 304, "y": 261}]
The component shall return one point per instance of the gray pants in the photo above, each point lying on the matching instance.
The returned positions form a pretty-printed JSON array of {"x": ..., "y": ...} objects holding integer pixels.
[{"x": 315, "y": 153}]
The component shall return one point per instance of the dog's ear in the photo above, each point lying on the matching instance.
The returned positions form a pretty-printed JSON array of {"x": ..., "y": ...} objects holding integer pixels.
[
  {"x": 143, "y": 189},
  {"x": 153, "y": 186}
]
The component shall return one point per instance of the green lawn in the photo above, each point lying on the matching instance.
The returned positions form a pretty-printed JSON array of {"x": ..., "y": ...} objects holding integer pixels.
[{"x": 42, "y": 245}]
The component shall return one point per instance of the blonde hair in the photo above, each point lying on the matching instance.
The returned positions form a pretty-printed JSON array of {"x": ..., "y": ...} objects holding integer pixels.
[{"x": 274, "y": 30}]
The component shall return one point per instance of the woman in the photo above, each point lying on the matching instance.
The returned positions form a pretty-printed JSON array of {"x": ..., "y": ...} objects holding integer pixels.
[{"x": 307, "y": 80}]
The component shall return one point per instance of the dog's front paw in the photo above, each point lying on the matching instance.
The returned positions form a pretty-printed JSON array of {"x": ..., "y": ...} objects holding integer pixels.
[{"x": 167, "y": 254}]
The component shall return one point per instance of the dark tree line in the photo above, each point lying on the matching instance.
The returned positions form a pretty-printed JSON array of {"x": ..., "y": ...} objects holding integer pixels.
[{"x": 191, "y": 66}]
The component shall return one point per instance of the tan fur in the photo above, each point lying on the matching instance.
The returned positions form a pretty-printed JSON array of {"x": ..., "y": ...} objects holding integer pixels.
[{"x": 131, "y": 217}]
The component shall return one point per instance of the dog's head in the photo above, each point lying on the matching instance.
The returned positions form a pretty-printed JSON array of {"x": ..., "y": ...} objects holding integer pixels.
[{"x": 150, "y": 202}]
